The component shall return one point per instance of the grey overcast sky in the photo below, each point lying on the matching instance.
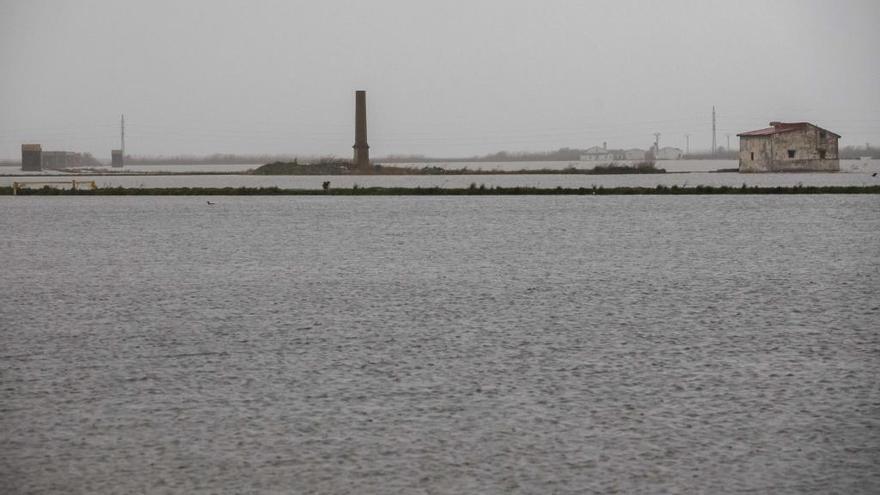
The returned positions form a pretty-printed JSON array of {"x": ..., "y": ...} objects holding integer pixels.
[{"x": 443, "y": 78}]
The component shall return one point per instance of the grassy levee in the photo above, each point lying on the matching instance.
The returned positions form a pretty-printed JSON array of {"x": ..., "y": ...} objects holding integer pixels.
[
  {"x": 473, "y": 190},
  {"x": 342, "y": 167}
]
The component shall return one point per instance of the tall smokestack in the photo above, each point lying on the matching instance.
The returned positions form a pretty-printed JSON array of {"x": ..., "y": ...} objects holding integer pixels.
[{"x": 361, "y": 148}]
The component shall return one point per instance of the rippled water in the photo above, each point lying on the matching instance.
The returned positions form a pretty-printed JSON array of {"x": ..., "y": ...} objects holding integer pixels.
[{"x": 440, "y": 345}]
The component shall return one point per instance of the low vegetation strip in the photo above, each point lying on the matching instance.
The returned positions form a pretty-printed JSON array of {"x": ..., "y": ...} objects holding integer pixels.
[
  {"x": 341, "y": 167},
  {"x": 473, "y": 190}
]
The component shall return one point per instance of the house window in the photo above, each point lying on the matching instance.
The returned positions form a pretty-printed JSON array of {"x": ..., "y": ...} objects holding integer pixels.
[
  {"x": 821, "y": 154},
  {"x": 821, "y": 134},
  {"x": 753, "y": 156},
  {"x": 791, "y": 153}
]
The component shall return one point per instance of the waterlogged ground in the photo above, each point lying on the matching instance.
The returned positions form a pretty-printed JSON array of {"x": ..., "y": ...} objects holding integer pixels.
[{"x": 440, "y": 345}]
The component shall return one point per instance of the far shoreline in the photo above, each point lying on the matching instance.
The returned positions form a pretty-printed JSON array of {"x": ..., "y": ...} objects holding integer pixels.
[{"x": 473, "y": 190}]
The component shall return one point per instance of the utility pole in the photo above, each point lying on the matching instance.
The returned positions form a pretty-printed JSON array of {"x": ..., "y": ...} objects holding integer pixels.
[
  {"x": 687, "y": 144},
  {"x": 714, "y": 144},
  {"x": 122, "y": 134},
  {"x": 728, "y": 142}
]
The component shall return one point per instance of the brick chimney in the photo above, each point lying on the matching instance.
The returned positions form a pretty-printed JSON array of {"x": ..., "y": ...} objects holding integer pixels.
[{"x": 361, "y": 148}]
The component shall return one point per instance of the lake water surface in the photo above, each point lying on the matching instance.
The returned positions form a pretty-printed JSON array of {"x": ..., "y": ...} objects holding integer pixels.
[{"x": 440, "y": 345}]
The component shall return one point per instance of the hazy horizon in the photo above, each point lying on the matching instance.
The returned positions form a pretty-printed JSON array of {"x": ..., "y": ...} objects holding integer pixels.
[{"x": 442, "y": 78}]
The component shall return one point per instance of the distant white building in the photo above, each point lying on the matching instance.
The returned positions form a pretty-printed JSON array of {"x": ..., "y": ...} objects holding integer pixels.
[
  {"x": 668, "y": 153},
  {"x": 597, "y": 154},
  {"x": 634, "y": 154}
]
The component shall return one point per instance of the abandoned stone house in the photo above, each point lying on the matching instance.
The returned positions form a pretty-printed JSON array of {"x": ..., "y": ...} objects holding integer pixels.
[{"x": 789, "y": 147}]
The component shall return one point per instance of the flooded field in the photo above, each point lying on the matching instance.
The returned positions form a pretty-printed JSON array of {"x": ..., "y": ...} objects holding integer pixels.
[{"x": 440, "y": 345}]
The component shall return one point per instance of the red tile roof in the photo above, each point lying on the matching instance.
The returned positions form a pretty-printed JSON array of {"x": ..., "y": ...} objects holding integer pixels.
[
  {"x": 761, "y": 132},
  {"x": 780, "y": 127}
]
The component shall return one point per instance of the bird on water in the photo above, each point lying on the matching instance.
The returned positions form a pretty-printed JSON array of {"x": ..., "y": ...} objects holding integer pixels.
[{"x": 211, "y": 203}]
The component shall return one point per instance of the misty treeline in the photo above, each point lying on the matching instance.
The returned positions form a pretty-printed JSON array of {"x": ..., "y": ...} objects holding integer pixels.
[
  {"x": 213, "y": 159},
  {"x": 560, "y": 155},
  {"x": 721, "y": 154},
  {"x": 855, "y": 152}
]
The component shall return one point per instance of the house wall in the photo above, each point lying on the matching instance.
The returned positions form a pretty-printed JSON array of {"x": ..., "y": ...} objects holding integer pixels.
[
  {"x": 597, "y": 157},
  {"x": 597, "y": 154},
  {"x": 634, "y": 155},
  {"x": 755, "y": 154},
  {"x": 806, "y": 145}
]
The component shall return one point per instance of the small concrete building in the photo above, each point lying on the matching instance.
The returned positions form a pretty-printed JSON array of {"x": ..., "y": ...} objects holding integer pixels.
[
  {"x": 789, "y": 147},
  {"x": 634, "y": 154},
  {"x": 31, "y": 157},
  {"x": 597, "y": 154},
  {"x": 668, "y": 153},
  {"x": 116, "y": 158}
]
